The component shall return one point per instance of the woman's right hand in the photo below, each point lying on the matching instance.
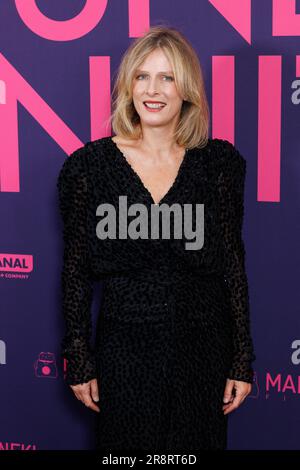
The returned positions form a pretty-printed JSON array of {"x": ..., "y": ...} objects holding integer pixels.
[{"x": 87, "y": 393}]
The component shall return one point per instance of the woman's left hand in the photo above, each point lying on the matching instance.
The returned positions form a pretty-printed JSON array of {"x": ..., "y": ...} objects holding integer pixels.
[{"x": 234, "y": 394}]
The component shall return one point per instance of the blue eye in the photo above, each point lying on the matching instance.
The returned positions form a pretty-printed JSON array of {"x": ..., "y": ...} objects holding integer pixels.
[{"x": 165, "y": 76}]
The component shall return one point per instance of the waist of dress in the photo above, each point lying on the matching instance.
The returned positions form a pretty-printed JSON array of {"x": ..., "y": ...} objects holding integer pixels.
[{"x": 167, "y": 275}]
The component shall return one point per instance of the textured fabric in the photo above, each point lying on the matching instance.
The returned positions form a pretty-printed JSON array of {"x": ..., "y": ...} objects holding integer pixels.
[{"x": 173, "y": 323}]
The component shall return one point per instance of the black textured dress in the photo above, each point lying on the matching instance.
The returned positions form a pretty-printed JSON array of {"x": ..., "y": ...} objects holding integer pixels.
[{"x": 173, "y": 323}]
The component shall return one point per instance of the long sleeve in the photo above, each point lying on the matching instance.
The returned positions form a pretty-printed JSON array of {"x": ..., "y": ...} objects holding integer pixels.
[
  {"x": 76, "y": 282},
  {"x": 231, "y": 183}
]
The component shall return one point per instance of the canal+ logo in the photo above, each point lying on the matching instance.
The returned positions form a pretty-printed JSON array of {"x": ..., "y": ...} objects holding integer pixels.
[{"x": 15, "y": 265}]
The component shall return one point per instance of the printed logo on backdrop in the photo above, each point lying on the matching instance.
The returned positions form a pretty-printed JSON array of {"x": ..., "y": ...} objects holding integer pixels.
[
  {"x": 45, "y": 366},
  {"x": 16, "y": 446},
  {"x": 14, "y": 265},
  {"x": 284, "y": 384},
  {"x": 280, "y": 384}
]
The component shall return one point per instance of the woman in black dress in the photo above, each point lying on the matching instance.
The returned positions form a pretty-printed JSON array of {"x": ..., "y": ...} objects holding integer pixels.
[{"x": 173, "y": 348}]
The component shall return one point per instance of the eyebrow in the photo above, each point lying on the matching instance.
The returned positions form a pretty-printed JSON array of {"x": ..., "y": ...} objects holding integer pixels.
[{"x": 144, "y": 71}]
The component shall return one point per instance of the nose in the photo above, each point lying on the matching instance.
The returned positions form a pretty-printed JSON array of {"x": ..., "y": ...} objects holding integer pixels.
[{"x": 152, "y": 87}]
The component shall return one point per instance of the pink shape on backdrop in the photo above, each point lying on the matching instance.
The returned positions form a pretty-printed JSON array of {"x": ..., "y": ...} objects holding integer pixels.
[
  {"x": 66, "y": 30},
  {"x": 286, "y": 22},
  {"x": 269, "y": 128},
  {"x": 13, "y": 88},
  {"x": 223, "y": 97},
  {"x": 237, "y": 13},
  {"x": 18, "y": 89},
  {"x": 83, "y": 23},
  {"x": 297, "y": 65},
  {"x": 2, "y": 92},
  {"x": 139, "y": 17},
  {"x": 100, "y": 93},
  {"x": 46, "y": 370},
  {"x": 16, "y": 262}
]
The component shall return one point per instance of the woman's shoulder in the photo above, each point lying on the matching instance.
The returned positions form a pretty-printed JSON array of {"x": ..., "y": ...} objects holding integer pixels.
[
  {"x": 224, "y": 154},
  {"x": 73, "y": 166},
  {"x": 82, "y": 159},
  {"x": 90, "y": 149}
]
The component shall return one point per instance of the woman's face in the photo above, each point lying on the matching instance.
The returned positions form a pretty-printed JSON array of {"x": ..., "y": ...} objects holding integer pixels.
[{"x": 154, "y": 81}]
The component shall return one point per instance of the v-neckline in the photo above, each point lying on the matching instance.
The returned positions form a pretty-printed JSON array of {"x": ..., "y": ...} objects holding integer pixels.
[{"x": 139, "y": 181}]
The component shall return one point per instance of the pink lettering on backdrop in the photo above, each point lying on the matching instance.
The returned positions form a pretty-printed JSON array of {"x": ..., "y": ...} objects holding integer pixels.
[
  {"x": 289, "y": 385},
  {"x": 89, "y": 17},
  {"x": 269, "y": 128},
  {"x": 286, "y": 22},
  {"x": 139, "y": 17},
  {"x": 237, "y": 13},
  {"x": 16, "y": 446},
  {"x": 2, "y": 92},
  {"x": 15, "y": 262},
  {"x": 223, "y": 97},
  {"x": 13, "y": 87},
  {"x": 66, "y": 30},
  {"x": 272, "y": 383},
  {"x": 18, "y": 89},
  {"x": 297, "y": 65},
  {"x": 100, "y": 92}
]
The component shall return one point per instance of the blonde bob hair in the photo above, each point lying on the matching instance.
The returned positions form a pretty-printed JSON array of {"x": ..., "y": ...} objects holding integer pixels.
[{"x": 193, "y": 125}]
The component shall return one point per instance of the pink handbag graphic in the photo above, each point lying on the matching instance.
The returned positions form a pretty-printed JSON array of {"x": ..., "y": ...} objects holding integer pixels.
[{"x": 45, "y": 365}]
